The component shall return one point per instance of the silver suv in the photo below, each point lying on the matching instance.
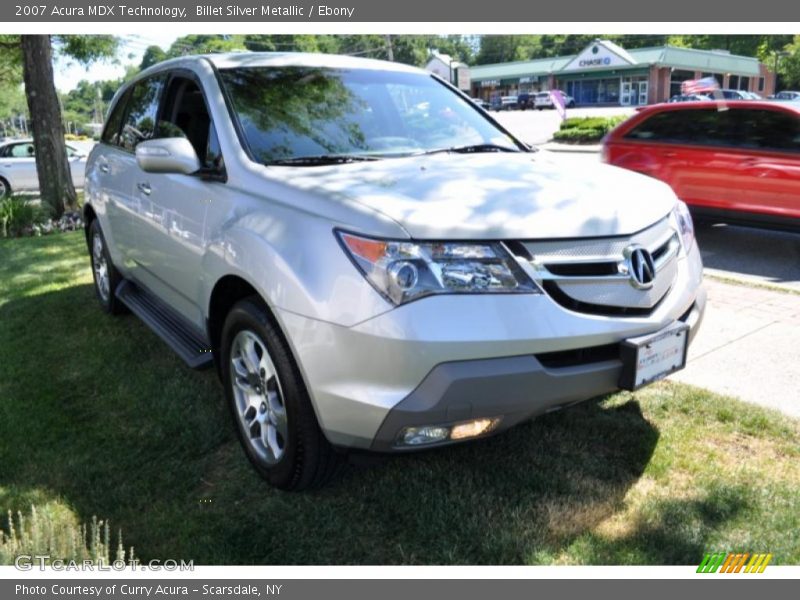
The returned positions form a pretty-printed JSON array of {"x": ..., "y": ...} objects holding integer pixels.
[{"x": 371, "y": 262}]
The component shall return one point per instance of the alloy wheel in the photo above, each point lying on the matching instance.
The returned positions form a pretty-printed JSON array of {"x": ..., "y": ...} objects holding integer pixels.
[
  {"x": 258, "y": 397},
  {"x": 100, "y": 266}
]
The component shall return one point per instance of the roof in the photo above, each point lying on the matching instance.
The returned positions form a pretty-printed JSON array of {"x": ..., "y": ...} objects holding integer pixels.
[
  {"x": 542, "y": 66},
  {"x": 283, "y": 59},
  {"x": 669, "y": 56},
  {"x": 446, "y": 59}
]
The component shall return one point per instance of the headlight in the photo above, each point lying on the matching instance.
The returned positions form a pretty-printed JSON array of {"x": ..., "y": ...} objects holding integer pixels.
[
  {"x": 405, "y": 271},
  {"x": 685, "y": 224}
]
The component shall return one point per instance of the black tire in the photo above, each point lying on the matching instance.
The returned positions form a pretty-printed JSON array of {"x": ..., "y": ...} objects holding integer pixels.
[
  {"x": 308, "y": 460},
  {"x": 108, "y": 300},
  {"x": 5, "y": 188}
]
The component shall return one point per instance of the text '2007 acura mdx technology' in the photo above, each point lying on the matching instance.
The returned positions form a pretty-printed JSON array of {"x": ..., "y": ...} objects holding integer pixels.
[{"x": 371, "y": 261}]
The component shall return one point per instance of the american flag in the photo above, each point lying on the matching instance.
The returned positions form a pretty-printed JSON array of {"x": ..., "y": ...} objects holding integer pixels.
[{"x": 699, "y": 86}]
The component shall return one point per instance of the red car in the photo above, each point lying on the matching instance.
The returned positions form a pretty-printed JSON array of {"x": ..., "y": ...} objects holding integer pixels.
[{"x": 734, "y": 162}]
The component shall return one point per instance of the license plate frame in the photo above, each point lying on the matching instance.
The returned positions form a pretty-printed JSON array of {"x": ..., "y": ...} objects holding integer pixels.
[{"x": 648, "y": 358}]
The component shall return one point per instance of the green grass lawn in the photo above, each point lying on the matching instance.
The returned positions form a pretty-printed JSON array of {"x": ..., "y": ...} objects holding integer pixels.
[{"x": 98, "y": 417}]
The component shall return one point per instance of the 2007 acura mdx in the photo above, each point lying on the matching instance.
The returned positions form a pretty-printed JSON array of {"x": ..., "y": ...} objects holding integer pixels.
[{"x": 371, "y": 261}]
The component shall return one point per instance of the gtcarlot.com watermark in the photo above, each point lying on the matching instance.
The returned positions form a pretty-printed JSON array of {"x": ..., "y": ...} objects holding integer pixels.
[{"x": 42, "y": 562}]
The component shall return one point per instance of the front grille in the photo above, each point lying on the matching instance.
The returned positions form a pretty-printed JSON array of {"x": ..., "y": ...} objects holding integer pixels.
[{"x": 590, "y": 276}]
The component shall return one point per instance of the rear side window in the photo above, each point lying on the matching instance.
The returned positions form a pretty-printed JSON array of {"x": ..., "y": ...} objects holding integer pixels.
[
  {"x": 25, "y": 150},
  {"x": 769, "y": 130},
  {"x": 733, "y": 128},
  {"x": 140, "y": 120},
  {"x": 114, "y": 121}
]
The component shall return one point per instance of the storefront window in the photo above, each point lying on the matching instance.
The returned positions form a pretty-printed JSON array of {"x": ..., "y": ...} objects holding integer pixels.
[
  {"x": 594, "y": 91},
  {"x": 677, "y": 78}
]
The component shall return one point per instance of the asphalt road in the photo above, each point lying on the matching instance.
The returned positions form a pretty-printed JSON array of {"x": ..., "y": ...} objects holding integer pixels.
[{"x": 538, "y": 126}]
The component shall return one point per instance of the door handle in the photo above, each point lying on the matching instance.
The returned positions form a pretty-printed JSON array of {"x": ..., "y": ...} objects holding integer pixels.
[
  {"x": 104, "y": 168},
  {"x": 144, "y": 188}
]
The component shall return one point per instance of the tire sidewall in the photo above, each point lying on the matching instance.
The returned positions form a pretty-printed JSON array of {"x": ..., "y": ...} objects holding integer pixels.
[
  {"x": 248, "y": 315},
  {"x": 105, "y": 303}
]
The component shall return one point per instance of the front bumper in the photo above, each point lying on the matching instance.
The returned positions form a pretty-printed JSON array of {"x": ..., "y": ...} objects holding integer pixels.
[
  {"x": 515, "y": 389},
  {"x": 447, "y": 359}
]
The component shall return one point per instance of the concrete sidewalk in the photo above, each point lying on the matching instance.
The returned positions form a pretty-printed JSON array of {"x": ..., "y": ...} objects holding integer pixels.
[{"x": 748, "y": 346}]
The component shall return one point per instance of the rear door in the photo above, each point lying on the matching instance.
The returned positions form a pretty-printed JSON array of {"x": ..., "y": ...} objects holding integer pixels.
[{"x": 117, "y": 166}]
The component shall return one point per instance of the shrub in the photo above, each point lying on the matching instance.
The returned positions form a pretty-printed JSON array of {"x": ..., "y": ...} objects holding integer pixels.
[
  {"x": 585, "y": 130},
  {"x": 48, "y": 532},
  {"x": 18, "y": 213}
]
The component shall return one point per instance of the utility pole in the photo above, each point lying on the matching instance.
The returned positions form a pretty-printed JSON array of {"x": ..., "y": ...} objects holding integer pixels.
[{"x": 389, "y": 49}]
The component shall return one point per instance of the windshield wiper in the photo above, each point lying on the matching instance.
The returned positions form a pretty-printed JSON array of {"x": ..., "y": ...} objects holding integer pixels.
[
  {"x": 473, "y": 148},
  {"x": 322, "y": 159}
]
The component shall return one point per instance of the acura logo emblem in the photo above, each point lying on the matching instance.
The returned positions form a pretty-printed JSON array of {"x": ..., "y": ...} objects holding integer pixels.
[{"x": 640, "y": 266}]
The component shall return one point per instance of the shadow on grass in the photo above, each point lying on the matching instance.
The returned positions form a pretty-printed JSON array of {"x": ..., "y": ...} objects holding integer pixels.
[{"x": 96, "y": 413}]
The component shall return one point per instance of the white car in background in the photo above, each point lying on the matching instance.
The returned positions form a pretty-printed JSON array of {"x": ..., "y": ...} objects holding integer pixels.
[
  {"x": 543, "y": 100},
  {"x": 18, "y": 166}
]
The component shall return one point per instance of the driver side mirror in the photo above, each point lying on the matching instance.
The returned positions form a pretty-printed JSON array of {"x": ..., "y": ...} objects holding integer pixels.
[{"x": 167, "y": 155}]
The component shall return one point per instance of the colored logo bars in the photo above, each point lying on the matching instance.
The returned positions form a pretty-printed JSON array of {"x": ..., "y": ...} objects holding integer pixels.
[{"x": 734, "y": 563}]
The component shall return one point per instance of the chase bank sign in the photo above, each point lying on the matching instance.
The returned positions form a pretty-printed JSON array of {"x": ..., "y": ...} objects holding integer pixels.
[
  {"x": 600, "y": 55},
  {"x": 594, "y": 62}
]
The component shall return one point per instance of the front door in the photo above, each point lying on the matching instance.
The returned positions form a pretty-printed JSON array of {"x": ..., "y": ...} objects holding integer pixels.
[
  {"x": 171, "y": 225},
  {"x": 642, "y": 89}
]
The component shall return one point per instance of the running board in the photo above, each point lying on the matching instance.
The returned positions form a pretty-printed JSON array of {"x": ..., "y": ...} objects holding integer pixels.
[{"x": 173, "y": 329}]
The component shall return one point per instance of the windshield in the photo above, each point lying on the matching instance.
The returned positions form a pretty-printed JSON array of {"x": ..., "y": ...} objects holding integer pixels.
[{"x": 298, "y": 112}]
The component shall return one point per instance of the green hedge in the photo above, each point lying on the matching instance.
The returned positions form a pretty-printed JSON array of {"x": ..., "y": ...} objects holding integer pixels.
[{"x": 586, "y": 130}]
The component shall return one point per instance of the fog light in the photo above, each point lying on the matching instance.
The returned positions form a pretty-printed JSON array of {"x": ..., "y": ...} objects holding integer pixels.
[
  {"x": 473, "y": 428},
  {"x": 429, "y": 434}
]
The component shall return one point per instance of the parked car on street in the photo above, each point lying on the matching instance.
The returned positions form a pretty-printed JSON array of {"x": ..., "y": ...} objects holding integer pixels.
[
  {"x": 365, "y": 275},
  {"x": 543, "y": 100},
  {"x": 786, "y": 95},
  {"x": 525, "y": 101},
  {"x": 481, "y": 102},
  {"x": 499, "y": 103},
  {"x": 689, "y": 98},
  {"x": 741, "y": 164},
  {"x": 18, "y": 167},
  {"x": 737, "y": 95}
]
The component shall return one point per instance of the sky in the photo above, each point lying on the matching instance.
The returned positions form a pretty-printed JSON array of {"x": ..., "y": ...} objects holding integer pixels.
[{"x": 68, "y": 73}]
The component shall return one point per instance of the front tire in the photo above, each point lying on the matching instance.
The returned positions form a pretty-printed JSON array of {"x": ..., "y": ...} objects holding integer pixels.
[
  {"x": 105, "y": 275},
  {"x": 269, "y": 403}
]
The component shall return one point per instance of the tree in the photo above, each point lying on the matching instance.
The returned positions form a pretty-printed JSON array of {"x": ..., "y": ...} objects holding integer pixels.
[
  {"x": 789, "y": 64},
  {"x": 151, "y": 56},
  {"x": 34, "y": 54}
]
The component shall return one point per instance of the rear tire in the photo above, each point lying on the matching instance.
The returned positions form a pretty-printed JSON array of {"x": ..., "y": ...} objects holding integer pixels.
[
  {"x": 269, "y": 403},
  {"x": 5, "y": 188},
  {"x": 105, "y": 274}
]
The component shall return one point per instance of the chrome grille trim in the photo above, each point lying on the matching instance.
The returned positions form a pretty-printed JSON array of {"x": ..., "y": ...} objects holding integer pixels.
[{"x": 611, "y": 287}]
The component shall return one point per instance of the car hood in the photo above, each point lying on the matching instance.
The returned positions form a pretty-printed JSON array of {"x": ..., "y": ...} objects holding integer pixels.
[{"x": 493, "y": 195}]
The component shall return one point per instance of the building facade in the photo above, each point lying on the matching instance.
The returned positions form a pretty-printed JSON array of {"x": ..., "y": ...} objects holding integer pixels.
[{"x": 604, "y": 74}]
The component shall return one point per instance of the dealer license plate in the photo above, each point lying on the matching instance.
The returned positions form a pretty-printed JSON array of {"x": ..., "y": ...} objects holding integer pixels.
[{"x": 651, "y": 357}]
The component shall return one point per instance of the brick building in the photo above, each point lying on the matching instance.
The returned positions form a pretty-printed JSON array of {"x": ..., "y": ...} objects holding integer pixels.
[{"x": 604, "y": 74}]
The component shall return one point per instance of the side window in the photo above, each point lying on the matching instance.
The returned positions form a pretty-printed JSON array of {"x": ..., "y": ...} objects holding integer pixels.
[
  {"x": 769, "y": 130},
  {"x": 668, "y": 126},
  {"x": 25, "y": 150},
  {"x": 185, "y": 115},
  {"x": 114, "y": 121},
  {"x": 140, "y": 121},
  {"x": 703, "y": 127}
]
